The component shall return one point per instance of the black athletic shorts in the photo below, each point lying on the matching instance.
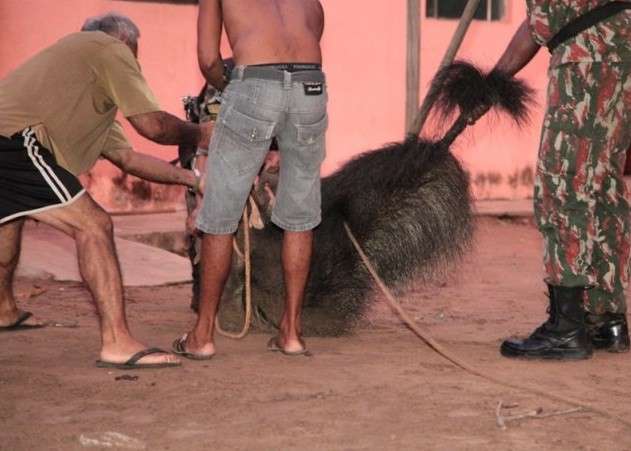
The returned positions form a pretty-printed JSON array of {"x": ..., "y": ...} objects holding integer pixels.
[{"x": 30, "y": 179}]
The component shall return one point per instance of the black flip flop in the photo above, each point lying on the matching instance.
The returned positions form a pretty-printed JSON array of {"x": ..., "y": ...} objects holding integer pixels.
[
  {"x": 132, "y": 363},
  {"x": 178, "y": 349},
  {"x": 273, "y": 345},
  {"x": 19, "y": 324}
]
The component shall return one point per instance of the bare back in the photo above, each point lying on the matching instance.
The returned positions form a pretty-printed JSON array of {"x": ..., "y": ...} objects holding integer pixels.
[{"x": 274, "y": 31}]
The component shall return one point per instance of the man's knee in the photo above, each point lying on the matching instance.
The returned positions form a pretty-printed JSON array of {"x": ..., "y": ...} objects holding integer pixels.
[
  {"x": 99, "y": 223},
  {"x": 89, "y": 219}
]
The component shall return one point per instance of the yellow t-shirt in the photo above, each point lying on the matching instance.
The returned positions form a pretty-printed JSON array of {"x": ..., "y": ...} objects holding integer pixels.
[{"x": 70, "y": 94}]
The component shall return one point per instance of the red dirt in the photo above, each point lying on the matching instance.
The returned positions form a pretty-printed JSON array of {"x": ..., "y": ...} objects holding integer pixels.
[{"x": 381, "y": 388}]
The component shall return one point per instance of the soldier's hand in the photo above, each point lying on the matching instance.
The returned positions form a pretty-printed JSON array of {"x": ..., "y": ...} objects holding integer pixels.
[{"x": 477, "y": 113}]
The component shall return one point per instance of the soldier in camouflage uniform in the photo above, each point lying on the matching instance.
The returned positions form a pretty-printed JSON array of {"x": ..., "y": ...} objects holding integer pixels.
[{"x": 579, "y": 196}]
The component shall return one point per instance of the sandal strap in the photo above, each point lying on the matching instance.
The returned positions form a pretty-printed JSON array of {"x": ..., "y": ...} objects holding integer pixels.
[
  {"x": 23, "y": 317},
  {"x": 178, "y": 344},
  {"x": 144, "y": 353}
]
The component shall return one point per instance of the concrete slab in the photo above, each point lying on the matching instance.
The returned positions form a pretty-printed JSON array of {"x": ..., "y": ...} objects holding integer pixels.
[
  {"x": 142, "y": 224},
  {"x": 515, "y": 208},
  {"x": 47, "y": 252}
]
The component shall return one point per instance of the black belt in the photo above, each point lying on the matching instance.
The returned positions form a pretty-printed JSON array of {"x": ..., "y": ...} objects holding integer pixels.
[{"x": 582, "y": 23}]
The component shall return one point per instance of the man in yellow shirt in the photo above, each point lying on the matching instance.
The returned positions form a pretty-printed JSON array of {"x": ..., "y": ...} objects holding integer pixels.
[{"x": 57, "y": 117}]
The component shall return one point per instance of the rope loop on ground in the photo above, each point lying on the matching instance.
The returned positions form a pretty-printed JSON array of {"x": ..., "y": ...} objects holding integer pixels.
[
  {"x": 448, "y": 355},
  {"x": 246, "y": 256}
]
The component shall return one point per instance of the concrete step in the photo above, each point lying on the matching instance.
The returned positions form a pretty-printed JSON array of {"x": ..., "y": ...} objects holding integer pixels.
[{"x": 48, "y": 253}]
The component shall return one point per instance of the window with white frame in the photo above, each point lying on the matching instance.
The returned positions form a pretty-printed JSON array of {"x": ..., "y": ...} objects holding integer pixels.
[{"x": 452, "y": 9}]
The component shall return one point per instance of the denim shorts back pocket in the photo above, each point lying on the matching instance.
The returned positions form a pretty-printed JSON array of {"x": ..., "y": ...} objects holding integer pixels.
[
  {"x": 310, "y": 142},
  {"x": 309, "y": 134},
  {"x": 245, "y": 140}
]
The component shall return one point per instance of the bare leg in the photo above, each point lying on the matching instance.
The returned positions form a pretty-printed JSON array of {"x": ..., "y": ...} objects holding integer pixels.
[
  {"x": 297, "y": 249},
  {"x": 92, "y": 229},
  {"x": 10, "y": 238},
  {"x": 216, "y": 259}
]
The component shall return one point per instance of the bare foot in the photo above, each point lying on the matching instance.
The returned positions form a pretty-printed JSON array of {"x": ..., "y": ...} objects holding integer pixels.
[
  {"x": 197, "y": 347},
  {"x": 294, "y": 346},
  {"x": 290, "y": 345},
  {"x": 289, "y": 338},
  {"x": 121, "y": 352}
]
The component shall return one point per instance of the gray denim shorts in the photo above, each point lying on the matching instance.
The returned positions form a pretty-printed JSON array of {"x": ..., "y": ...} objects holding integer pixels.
[{"x": 256, "y": 108}]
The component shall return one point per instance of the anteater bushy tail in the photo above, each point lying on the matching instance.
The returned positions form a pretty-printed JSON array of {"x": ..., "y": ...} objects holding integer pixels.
[{"x": 462, "y": 85}]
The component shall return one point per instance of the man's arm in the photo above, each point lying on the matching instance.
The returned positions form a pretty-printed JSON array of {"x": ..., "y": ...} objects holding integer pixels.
[
  {"x": 151, "y": 168},
  {"x": 164, "y": 128},
  {"x": 321, "y": 12},
  {"x": 209, "y": 23},
  {"x": 520, "y": 51}
]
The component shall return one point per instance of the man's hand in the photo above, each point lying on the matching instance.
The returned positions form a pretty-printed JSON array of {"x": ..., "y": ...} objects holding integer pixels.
[
  {"x": 477, "y": 113},
  {"x": 272, "y": 161},
  {"x": 201, "y": 184},
  {"x": 206, "y": 129},
  {"x": 521, "y": 49},
  {"x": 271, "y": 164}
]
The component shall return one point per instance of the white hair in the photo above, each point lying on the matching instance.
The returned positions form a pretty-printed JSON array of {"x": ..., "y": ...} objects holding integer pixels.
[{"x": 116, "y": 25}]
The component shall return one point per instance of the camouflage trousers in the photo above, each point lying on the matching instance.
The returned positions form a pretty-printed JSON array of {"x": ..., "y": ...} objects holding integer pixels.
[{"x": 580, "y": 195}]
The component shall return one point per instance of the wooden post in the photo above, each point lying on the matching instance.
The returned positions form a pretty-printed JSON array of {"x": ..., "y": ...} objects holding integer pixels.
[
  {"x": 412, "y": 78},
  {"x": 450, "y": 54}
]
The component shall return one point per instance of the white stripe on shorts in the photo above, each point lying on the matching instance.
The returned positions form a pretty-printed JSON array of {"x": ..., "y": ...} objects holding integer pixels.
[{"x": 38, "y": 161}]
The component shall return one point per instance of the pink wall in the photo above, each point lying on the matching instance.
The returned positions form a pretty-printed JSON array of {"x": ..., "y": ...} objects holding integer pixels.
[
  {"x": 167, "y": 56},
  {"x": 365, "y": 59},
  {"x": 364, "y": 51}
]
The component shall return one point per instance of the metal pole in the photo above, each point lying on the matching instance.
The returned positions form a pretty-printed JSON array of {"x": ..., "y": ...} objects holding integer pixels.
[
  {"x": 413, "y": 62},
  {"x": 450, "y": 54}
]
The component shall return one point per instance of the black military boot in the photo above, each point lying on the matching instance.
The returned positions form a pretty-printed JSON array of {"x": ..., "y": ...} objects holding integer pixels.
[
  {"x": 608, "y": 331},
  {"x": 563, "y": 336}
]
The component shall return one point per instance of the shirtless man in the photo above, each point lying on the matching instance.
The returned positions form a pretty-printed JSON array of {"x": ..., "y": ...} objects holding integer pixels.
[{"x": 277, "y": 89}]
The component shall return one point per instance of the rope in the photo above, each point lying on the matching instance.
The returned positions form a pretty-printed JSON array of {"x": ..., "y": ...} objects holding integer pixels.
[
  {"x": 248, "y": 282},
  {"x": 448, "y": 355}
]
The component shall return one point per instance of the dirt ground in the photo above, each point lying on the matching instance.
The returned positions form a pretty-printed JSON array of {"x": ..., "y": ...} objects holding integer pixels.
[{"x": 378, "y": 389}]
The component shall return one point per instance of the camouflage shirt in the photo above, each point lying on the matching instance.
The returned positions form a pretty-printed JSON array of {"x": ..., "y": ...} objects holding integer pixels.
[{"x": 609, "y": 40}]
